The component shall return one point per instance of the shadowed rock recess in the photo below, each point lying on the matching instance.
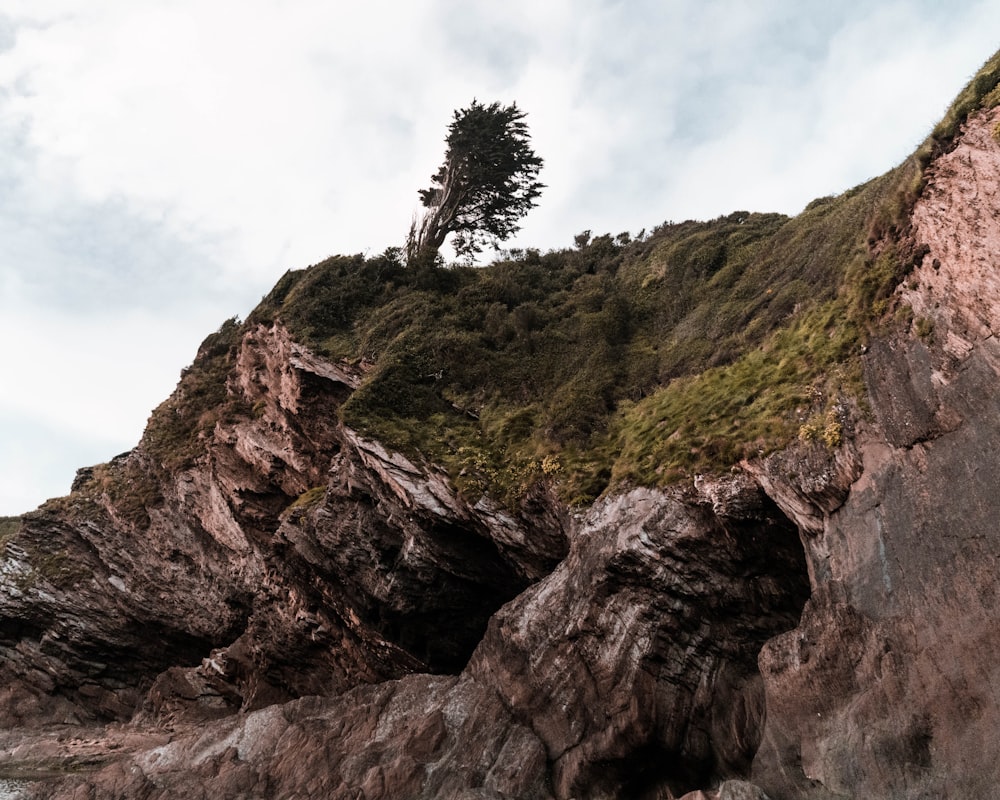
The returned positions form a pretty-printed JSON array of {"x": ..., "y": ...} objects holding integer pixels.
[{"x": 331, "y": 568}]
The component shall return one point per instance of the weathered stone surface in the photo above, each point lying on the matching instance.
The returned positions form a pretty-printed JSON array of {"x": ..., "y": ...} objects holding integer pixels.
[
  {"x": 420, "y": 737},
  {"x": 741, "y": 790},
  {"x": 214, "y": 568},
  {"x": 888, "y": 686},
  {"x": 956, "y": 284},
  {"x": 629, "y": 671},
  {"x": 635, "y": 661},
  {"x": 899, "y": 380},
  {"x": 299, "y": 612}
]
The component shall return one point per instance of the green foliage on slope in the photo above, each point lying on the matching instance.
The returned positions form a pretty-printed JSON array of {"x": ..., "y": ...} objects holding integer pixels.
[
  {"x": 617, "y": 360},
  {"x": 176, "y": 426},
  {"x": 982, "y": 92},
  {"x": 8, "y": 527}
]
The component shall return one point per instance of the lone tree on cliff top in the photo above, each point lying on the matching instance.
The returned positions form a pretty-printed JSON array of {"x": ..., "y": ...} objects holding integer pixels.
[{"x": 488, "y": 181}]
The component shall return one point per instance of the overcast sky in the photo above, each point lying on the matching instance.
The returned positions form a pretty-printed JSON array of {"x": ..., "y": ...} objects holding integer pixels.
[{"x": 165, "y": 161}]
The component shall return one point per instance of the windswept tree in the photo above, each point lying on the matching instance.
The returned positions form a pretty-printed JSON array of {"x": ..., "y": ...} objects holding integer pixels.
[{"x": 487, "y": 183}]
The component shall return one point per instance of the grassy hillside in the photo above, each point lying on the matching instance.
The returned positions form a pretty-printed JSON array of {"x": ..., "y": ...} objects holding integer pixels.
[{"x": 617, "y": 361}]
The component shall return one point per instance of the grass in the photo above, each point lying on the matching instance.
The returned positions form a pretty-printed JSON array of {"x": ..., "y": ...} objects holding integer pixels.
[
  {"x": 57, "y": 568},
  {"x": 129, "y": 489},
  {"x": 712, "y": 419},
  {"x": 178, "y": 424},
  {"x": 982, "y": 92},
  {"x": 8, "y": 527},
  {"x": 619, "y": 360},
  {"x": 310, "y": 498}
]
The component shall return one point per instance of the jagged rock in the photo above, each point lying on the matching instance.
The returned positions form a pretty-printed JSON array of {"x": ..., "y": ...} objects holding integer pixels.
[
  {"x": 658, "y": 598},
  {"x": 103, "y": 595},
  {"x": 887, "y": 686},
  {"x": 291, "y": 609},
  {"x": 956, "y": 283},
  {"x": 420, "y": 737},
  {"x": 741, "y": 790}
]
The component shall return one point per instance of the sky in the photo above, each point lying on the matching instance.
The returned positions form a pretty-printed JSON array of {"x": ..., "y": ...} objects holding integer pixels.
[{"x": 164, "y": 162}]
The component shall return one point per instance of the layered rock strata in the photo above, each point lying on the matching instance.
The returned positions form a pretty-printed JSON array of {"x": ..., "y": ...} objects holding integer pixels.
[
  {"x": 296, "y": 611},
  {"x": 888, "y": 688}
]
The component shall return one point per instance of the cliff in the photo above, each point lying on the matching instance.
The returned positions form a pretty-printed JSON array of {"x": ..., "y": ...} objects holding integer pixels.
[{"x": 377, "y": 547}]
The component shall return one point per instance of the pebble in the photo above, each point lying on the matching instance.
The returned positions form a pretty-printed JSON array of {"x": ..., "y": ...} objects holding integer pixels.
[{"x": 12, "y": 790}]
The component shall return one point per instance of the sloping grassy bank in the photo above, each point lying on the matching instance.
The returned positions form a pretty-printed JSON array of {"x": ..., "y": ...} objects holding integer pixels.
[{"x": 618, "y": 361}]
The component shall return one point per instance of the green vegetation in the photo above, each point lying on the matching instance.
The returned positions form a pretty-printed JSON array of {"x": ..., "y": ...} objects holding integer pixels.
[
  {"x": 982, "y": 92},
  {"x": 199, "y": 401},
  {"x": 308, "y": 499},
  {"x": 131, "y": 490},
  {"x": 9, "y": 526},
  {"x": 618, "y": 361}
]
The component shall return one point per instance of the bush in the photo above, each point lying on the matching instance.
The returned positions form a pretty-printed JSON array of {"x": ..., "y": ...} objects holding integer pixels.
[{"x": 628, "y": 359}]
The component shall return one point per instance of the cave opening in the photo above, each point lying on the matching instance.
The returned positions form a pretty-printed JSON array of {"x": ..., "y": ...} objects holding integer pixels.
[{"x": 724, "y": 594}]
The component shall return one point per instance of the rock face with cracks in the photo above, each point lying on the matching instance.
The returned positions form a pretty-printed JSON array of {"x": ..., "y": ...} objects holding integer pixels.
[
  {"x": 660, "y": 599},
  {"x": 287, "y": 609},
  {"x": 887, "y": 688},
  {"x": 438, "y": 646}
]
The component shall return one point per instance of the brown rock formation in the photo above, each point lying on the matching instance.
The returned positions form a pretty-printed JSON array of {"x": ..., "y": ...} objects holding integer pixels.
[
  {"x": 219, "y": 567},
  {"x": 287, "y": 609},
  {"x": 660, "y": 600},
  {"x": 888, "y": 686},
  {"x": 635, "y": 661}
]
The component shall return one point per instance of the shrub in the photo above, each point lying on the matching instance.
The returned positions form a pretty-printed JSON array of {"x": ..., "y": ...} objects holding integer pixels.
[{"x": 623, "y": 359}]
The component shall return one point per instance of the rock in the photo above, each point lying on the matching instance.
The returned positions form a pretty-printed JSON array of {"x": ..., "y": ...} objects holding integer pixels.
[
  {"x": 658, "y": 599},
  {"x": 661, "y": 600},
  {"x": 899, "y": 380},
  {"x": 154, "y": 569},
  {"x": 421, "y": 737},
  {"x": 886, "y": 686},
  {"x": 741, "y": 790},
  {"x": 955, "y": 284}
]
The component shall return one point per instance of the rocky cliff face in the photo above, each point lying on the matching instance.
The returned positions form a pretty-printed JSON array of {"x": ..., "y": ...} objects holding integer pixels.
[
  {"x": 292, "y": 610},
  {"x": 607, "y": 651},
  {"x": 292, "y": 557},
  {"x": 887, "y": 687}
]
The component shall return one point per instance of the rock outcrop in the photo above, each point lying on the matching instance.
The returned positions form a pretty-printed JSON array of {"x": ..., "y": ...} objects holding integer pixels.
[
  {"x": 291, "y": 558},
  {"x": 611, "y": 651},
  {"x": 660, "y": 599},
  {"x": 888, "y": 686},
  {"x": 258, "y": 601}
]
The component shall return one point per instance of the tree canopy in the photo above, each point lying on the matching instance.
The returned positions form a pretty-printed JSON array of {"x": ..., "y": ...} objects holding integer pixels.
[{"x": 487, "y": 183}]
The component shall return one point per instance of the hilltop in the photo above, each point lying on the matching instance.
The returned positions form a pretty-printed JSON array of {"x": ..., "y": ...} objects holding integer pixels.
[{"x": 706, "y": 511}]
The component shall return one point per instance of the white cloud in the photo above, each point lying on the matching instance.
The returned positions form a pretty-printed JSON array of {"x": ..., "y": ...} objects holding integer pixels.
[
  {"x": 165, "y": 162},
  {"x": 77, "y": 390}
]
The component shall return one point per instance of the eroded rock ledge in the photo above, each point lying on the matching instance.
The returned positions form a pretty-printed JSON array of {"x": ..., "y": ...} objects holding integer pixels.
[
  {"x": 296, "y": 559},
  {"x": 627, "y": 671},
  {"x": 299, "y": 612}
]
